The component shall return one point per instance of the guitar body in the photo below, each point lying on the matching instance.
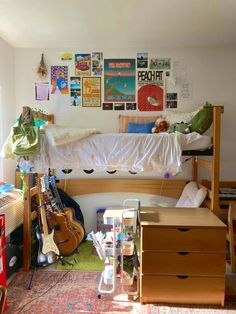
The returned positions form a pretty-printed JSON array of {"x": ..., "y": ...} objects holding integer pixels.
[
  {"x": 74, "y": 223},
  {"x": 44, "y": 259},
  {"x": 64, "y": 236},
  {"x": 48, "y": 244}
]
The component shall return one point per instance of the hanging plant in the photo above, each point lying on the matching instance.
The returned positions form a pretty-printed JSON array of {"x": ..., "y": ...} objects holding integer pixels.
[{"x": 42, "y": 69}]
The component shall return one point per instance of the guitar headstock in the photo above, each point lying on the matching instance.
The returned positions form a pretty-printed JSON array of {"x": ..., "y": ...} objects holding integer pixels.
[
  {"x": 46, "y": 181},
  {"x": 53, "y": 181},
  {"x": 41, "y": 184}
]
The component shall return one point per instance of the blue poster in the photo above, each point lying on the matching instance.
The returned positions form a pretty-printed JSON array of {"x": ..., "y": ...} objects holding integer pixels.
[{"x": 119, "y": 80}]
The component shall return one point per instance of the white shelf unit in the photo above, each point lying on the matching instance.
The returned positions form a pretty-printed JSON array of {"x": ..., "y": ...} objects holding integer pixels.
[{"x": 119, "y": 246}]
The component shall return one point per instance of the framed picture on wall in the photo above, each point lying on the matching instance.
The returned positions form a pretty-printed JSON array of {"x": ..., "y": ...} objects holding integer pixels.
[{"x": 91, "y": 92}]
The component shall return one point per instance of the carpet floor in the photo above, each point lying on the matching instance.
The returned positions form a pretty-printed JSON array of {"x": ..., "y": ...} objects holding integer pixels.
[
  {"x": 57, "y": 292},
  {"x": 66, "y": 292}
]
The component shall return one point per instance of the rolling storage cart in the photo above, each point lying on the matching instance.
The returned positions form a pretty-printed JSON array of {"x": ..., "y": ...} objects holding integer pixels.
[{"x": 118, "y": 249}]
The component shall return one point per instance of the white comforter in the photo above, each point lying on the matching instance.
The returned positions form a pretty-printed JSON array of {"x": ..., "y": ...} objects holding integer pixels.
[
  {"x": 66, "y": 148},
  {"x": 123, "y": 152}
]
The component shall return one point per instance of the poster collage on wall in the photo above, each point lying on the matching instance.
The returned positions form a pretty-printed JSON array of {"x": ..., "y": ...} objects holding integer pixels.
[{"x": 128, "y": 83}]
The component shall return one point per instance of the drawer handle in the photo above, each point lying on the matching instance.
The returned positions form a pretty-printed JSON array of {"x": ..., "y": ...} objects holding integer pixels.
[
  {"x": 183, "y": 253},
  {"x": 183, "y": 229},
  {"x": 182, "y": 276}
]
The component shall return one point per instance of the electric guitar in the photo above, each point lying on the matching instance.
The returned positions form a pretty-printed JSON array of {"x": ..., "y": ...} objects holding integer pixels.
[
  {"x": 48, "y": 250},
  {"x": 69, "y": 212},
  {"x": 64, "y": 236}
]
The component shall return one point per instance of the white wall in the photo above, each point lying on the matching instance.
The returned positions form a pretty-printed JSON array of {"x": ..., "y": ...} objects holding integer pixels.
[
  {"x": 211, "y": 71},
  {"x": 7, "y": 105}
]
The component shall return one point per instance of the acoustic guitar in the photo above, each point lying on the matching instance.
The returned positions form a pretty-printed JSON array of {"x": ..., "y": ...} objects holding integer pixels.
[
  {"x": 48, "y": 251},
  {"x": 64, "y": 235},
  {"x": 69, "y": 212}
]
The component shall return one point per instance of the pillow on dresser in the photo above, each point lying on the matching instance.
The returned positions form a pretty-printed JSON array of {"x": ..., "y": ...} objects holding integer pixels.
[
  {"x": 191, "y": 196},
  {"x": 125, "y": 120}
]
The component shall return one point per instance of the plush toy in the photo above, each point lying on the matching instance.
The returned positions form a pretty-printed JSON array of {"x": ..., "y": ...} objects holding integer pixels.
[
  {"x": 179, "y": 127},
  {"x": 161, "y": 126}
]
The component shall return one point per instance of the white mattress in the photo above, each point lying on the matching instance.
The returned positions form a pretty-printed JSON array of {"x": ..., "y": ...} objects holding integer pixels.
[
  {"x": 13, "y": 209},
  {"x": 121, "y": 151}
]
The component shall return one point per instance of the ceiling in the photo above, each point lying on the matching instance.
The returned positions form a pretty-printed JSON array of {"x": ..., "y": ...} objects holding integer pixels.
[{"x": 118, "y": 23}]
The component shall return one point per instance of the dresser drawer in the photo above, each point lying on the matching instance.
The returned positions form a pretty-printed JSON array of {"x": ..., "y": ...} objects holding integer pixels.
[
  {"x": 183, "y": 263},
  {"x": 189, "y": 290},
  {"x": 183, "y": 239}
]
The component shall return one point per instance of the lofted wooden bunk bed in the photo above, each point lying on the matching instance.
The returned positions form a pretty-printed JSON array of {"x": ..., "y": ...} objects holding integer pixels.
[{"x": 172, "y": 188}]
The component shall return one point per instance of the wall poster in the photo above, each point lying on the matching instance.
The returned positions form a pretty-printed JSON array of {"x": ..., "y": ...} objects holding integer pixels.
[
  {"x": 83, "y": 64},
  {"x": 119, "y": 80},
  {"x": 59, "y": 79},
  {"x": 75, "y": 91},
  {"x": 150, "y": 90},
  {"x": 97, "y": 63},
  {"x": 91, "y": 91}
]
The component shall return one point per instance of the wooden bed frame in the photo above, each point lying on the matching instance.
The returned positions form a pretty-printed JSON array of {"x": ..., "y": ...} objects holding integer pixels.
[{"x": 171, "y": 188}]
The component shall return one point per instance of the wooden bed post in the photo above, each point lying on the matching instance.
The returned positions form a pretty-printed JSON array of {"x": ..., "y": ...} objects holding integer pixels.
[
  {"x": 27, "y": 225},
  {"x": 216, "y": 160}
]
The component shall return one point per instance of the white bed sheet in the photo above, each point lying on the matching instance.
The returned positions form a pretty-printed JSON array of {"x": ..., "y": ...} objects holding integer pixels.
[{"x": 123, "y": 152}]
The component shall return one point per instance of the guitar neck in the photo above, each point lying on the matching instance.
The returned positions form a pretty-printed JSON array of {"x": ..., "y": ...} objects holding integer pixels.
[
  {"x": 56, "y": 193},
  {"x": 43, "y": 214},
  {"x": 53, "y": 202}
]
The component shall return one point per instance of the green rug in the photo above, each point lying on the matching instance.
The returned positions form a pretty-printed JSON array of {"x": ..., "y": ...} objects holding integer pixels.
[{"x": 85, "y": 259}]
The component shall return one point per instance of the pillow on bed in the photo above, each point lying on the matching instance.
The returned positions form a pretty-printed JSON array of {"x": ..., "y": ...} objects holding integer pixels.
[
  {"x": 140, "y": 127},
  {"x": 177, "y": 117},
  {"x": 201, "y": 122},
  {"x": 125, "y": 120},
  {"x": 192, "y": 196}
]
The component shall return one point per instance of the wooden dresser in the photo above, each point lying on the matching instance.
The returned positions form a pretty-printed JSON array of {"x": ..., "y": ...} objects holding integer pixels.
[{"x": 182, "y": 256}]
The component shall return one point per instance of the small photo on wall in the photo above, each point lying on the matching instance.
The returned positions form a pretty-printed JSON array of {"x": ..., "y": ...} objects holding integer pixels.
[
  {"x": 160, "y": 64},
  {"x": 107, "y": 106},
  {"x": 131, "y": 106},
  {"x": 97, "y": 63},
  {"x": 119, "y": 106},
  {"x": 66, "y": 56},
  {"x": 75, "y": 91},
  {"x": 171, "y": 104},
  {"x": 171, "y": 96},
  {"x": 41, "y": 91},
  {"x": 142, "y": 60}
]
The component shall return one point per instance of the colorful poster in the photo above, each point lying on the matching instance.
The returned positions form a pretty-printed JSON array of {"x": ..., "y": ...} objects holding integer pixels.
[
  {"x": 151, "y": 90},
  {"x": 66, "y": 56},
  {"x": 142, "y": 60},
  {"x": 75, "y": 91},
  {"x": 160, "y": 64},
  {"x": 91, "y": 91},
  {"x": 83, "y": 64},
  {"x": 59, "y": 79},
  {"x": 97, "y": 63},
  {"x": 41, "y": 91},
  {"x": 119, "y": 80}
]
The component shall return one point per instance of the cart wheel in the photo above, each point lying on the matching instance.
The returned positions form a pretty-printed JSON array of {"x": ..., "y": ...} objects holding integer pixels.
[{"x": 99, "y": 296}]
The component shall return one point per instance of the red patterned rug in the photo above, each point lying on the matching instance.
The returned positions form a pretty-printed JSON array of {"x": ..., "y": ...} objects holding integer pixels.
[{"x": 57, "y": 292}]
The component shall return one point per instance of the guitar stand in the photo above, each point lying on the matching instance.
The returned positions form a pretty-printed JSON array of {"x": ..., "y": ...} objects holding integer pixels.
[{"x": 60, "y": 258}]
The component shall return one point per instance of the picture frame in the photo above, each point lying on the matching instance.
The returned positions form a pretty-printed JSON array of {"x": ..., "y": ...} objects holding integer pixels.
[{"x": 91, "y": 91}]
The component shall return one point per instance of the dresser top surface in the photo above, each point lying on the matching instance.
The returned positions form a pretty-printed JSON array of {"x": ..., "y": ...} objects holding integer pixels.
[{"x": 174, "y": 216}]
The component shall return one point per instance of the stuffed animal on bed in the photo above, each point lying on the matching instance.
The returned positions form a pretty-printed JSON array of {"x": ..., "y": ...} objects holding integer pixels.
[
  {"x": 160, "y": 126},
  {"x": 179, "y": 127}
]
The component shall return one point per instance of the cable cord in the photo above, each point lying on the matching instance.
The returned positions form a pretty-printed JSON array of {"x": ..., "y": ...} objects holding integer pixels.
[{"x": 39, "y": 296}]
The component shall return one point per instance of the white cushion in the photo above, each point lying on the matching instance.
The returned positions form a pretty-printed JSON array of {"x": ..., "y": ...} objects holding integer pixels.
[
  {"x": 192, "y": 196},
  {"x": 177, "y": 117}
]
